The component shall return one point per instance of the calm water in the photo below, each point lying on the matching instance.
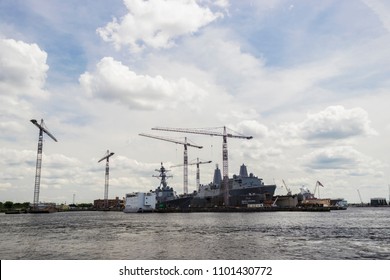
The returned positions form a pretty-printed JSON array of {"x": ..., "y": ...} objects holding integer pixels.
[{"x": 357, "y": 233}]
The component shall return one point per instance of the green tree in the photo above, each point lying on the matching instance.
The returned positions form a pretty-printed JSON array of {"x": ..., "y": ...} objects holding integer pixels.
[{"x": 8, "y": 204}]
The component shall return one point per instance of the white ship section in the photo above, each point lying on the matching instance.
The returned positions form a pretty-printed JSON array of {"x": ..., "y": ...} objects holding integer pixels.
[{"x": 139, "y": 202}]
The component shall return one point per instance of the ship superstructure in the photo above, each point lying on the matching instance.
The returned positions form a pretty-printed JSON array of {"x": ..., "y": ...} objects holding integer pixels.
[{"x": 166, "y": 196}]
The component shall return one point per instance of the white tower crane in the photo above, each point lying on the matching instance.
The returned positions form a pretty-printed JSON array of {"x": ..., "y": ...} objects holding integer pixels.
[
  {"x": 107, "y": 174},
  {"x": 42, "y": 130},
  {"x": 224, "y": 136},
  {"x": 185, "y": 164},
  {"x": 197, "y": 169}
]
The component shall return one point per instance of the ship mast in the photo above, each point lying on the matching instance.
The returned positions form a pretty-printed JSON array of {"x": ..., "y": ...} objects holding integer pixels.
[{"x": 163, "y": 176}]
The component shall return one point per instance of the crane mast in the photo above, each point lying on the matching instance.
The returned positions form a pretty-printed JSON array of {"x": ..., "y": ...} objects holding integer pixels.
[
  {"x": 107, "y": 175},
  {"x": 38, "y": 167},
  {"x": 185, "y": 155},
  {"x": 225, "y": 156}
]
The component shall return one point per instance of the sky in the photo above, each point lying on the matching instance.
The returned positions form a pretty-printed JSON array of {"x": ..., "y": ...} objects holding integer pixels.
[{"x": 309, "y": 80}]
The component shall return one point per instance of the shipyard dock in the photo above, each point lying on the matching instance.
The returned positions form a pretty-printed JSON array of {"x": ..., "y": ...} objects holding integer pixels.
[{"x": 248, "y": 209}]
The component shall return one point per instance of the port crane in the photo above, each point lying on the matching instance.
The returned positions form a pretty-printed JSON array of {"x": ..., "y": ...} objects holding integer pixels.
[
  {"x": 360, "y": 197},
  {"x": 197, "y": 169},
  {"x": 224, "y": 136},
  {"x": 42, "y": 129},
  {"x": 107, "y": 174},
  {"x": 318, "y": 183},
  {"x": 287, "y": 188},
  {"x": 185, "y": 161}
]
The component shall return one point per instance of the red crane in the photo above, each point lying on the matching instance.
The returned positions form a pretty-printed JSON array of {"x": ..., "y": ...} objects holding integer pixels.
[
  {"x": 185, "y": 164},
  {"x": 42, "y": 130},
  {"x": 107, "y": 174},
  {"x": 224, "y": 136}
]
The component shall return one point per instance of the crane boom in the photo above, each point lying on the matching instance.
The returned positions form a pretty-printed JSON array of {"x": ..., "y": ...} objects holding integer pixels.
[
  {"x": 224, "y": 135},
  {"x": 194, "y": 163},
  {"x": 170, "y": 140},
  {"x": 201, "y": 131},
  {"x": 40, "y": 126},
  {"x": 107, "y": 156}
]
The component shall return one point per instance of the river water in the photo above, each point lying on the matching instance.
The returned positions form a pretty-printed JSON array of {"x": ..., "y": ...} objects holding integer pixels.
[{"x": 355, "y": 233}]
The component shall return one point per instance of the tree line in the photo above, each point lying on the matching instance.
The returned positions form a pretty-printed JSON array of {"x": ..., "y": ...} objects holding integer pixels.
[{"x": 9, "y": 205}]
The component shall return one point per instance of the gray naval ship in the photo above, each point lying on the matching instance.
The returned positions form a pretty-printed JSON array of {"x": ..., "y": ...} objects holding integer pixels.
[{"x": 244, "y": 191}]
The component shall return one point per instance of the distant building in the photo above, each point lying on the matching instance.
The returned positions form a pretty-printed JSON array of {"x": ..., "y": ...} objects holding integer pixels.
[
  {"x": 112, "y": 203},
  {"x": 378, "y": 201}
]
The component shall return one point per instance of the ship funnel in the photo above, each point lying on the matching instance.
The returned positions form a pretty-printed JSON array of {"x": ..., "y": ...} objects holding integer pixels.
[
  {"x": 243, "y": 171},
  {"x": 217, "y": 180}
]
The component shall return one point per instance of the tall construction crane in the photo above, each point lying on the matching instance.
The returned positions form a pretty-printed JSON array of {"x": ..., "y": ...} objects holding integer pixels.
[
  {"x": 42, "y": 130},
  {"x": 106, "y": 157},
  {"x": 185, "y": 163},
  {"x": 197, "y": 169},
  {"x": 224, "y": 135}
]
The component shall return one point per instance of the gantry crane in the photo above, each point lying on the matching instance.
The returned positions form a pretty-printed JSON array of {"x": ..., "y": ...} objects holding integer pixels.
[
  {"x": 42, "y": 130},
  {"x": 197, "y": 169},
  {"x": 224, "y": 135},
  {"x": 185, "y": 163},
  {"x": 106, "y": 157}
]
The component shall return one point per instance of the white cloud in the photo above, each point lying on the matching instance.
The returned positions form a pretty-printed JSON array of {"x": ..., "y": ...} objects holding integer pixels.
[
  {"x": 22, "y": 68},
  {"x": 114, "y": 81},
  {"x": 336, "y": 122},
  {"x": 252, "y": 128},
  {"x": 382, "y": 9},
  {"x": 156, "y": 23},
  {"x": 22, "y": 80},
  {"x": 346, "y": 158}
]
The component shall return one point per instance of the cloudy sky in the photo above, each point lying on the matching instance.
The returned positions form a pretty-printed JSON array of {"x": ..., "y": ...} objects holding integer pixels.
[{"x": 309, "y": 80}]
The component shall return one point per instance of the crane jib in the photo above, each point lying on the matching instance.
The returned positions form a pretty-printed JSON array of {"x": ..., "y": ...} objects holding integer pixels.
[{"x": 43, "y": 129}]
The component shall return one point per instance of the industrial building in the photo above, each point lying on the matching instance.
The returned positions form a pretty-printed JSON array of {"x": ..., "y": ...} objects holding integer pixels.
[
  {"x": 113, "y": 204},
  {"x": 378, "y": 201}
]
